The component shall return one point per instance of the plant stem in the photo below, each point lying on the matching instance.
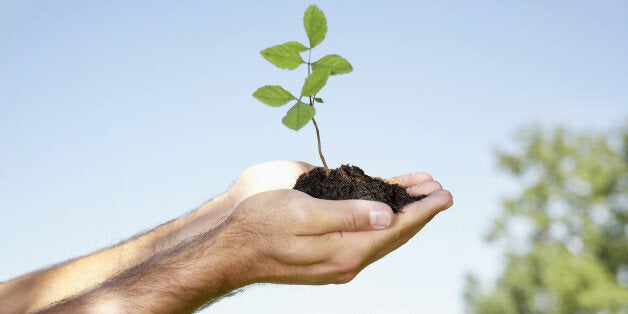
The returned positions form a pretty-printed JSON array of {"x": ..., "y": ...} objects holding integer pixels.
[
  {"x": 318, "y": 134},
  {"x": 320, "y": 151}
]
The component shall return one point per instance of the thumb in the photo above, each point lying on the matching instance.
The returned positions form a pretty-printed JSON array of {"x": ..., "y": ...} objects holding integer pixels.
[{"x": 351, "y": 215}]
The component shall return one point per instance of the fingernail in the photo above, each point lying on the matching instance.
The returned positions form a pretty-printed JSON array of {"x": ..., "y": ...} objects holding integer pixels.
[{"x": 379, "y": 219}]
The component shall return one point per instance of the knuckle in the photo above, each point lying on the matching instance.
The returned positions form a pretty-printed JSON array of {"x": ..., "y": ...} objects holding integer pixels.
[{"x": 352, "y": 220}]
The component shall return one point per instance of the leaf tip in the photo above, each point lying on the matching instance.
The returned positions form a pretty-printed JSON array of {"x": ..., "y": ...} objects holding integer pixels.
[{"x": 315, "y": 25}]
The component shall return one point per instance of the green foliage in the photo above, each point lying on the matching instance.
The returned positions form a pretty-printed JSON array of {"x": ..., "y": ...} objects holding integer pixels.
[
  {"x": 298, "y": 116},
  {"x": 314, "y": 83},
  {"x": 285, "y": 56},
  {"x": 288, "y": 56},
  {"x": 315, "y": 25},
  {"x": 296, "y": 46},
  {"x": 335, "y": 64},
  {"x": 574, "y": 204},
  {"x": 274, "y": 96}
]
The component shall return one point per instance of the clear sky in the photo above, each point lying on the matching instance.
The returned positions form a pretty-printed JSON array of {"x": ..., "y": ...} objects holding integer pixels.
[{"x": 116, "y": 116}]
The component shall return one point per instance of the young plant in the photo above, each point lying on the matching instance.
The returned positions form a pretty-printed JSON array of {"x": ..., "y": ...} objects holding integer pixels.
[{"x": 288, "y": 56}]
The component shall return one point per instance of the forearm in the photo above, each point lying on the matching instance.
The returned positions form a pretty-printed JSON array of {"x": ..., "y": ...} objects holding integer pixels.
[
  {"x": 178, "y": 280},
  {"x": 281, "y": 236},
  {"x": 38, "y": 289}
]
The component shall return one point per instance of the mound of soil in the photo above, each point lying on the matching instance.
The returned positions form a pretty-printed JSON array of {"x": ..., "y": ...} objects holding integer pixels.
[{"x": 350, "y": 182}]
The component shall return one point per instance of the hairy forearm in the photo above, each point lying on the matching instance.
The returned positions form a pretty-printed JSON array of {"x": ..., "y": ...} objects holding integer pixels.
[
  {"x": 38, "y": 289},
  {"x": 178, "y": 280}
]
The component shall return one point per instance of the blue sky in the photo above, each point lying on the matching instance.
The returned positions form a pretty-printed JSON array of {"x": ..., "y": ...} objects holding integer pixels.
[{"x": 115, "y": 117}]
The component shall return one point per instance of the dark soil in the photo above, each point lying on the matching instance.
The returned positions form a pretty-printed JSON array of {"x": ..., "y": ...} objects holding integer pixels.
[{"x": 350, "y": 182}]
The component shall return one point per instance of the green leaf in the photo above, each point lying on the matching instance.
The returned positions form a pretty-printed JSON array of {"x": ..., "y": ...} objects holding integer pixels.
[
  {"x": 319, "y": 100},
  {"x": 283, "y": 57},
  {"x": 298, "y": 116},
  {"x": 315, "y": 25},
  {"x": 274, "y": 96},
  {"x": 314, "y": 83},
  {"x": 334, "y": 63},
  {"x": 296, "y": 46}
]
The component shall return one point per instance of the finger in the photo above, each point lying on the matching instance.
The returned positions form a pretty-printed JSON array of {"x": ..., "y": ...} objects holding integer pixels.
[
  {"x": 347, "y": 215},
  {"x": 424, "y": 188},
  {"x": 414, "y": 217},
  {"x": 409, "y": 223},
  {"x": 421, "y": 211},
  {"x": 408, "y": 180}
]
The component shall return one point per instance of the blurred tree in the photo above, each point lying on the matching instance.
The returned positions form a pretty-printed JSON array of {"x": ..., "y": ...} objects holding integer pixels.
[{"x": 566, "y": 232}]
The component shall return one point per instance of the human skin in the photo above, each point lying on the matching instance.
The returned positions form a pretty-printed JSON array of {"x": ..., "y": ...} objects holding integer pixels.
[
  {"x": 270, "y": 235},
  {"x": 41, "y": 288}
]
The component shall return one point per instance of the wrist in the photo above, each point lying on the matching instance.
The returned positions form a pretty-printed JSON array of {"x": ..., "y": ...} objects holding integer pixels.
[
  {"x": 213, "y": 213},
  {"x": 236, "y": 255},
  {"x": 205, "y": 218}
]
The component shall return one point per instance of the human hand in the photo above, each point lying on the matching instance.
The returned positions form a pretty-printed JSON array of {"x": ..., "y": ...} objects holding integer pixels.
[
  {"x": 268, "y": 176},
  {"x": 273, "y": 175},
  {"x": 296, "y": 239}
]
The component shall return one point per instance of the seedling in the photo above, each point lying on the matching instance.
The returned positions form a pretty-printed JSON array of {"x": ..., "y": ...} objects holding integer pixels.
[
  {"x": 288, "y": 56},
  {"x": 345, "y": 182}
]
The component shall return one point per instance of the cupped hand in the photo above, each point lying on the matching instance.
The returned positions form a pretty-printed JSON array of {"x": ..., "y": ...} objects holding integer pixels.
[{"x": 294, "y": 238}]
